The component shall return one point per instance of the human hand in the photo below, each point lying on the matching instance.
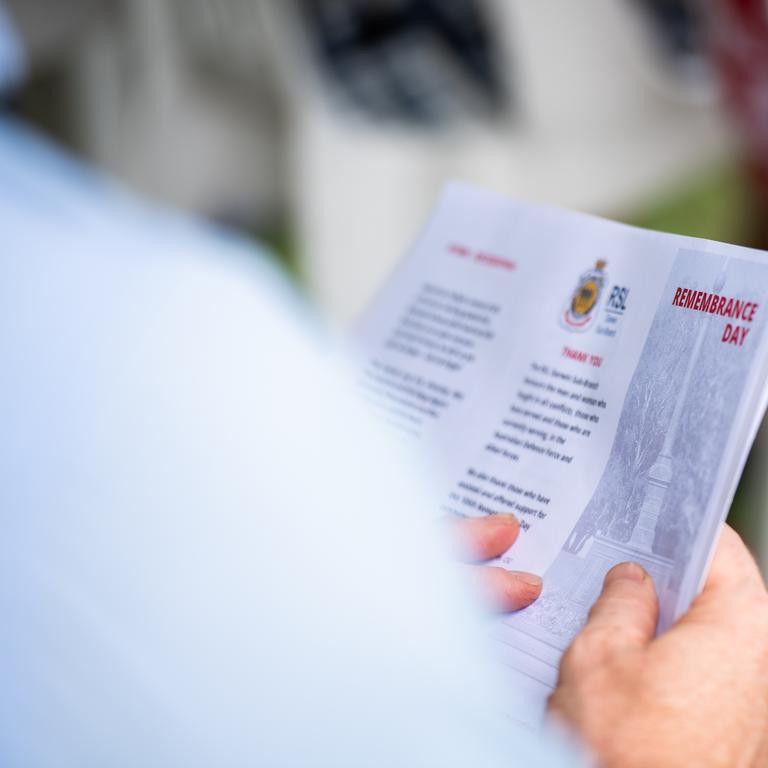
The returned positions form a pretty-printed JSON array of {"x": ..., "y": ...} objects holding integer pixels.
[
  {"x": 695, "y": 696},
  {"x": 484, "y": 538}
]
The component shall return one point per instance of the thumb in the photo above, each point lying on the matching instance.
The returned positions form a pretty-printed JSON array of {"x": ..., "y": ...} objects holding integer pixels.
[
  {"x": 623, "y": 618},
  {"x": 627, "y": 608}
]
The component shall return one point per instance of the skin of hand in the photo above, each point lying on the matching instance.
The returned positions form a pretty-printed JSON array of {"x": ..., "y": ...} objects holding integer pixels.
[
  {"x": 484, "y": 538},
  {"x": 697, "y": 695}
]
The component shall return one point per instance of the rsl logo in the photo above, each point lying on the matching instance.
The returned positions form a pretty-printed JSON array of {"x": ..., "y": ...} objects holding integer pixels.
[{"x": 581, "y": 309}]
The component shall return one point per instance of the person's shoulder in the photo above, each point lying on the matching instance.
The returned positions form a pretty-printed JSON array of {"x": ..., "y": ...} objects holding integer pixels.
[{"x": 68, "y": 224}]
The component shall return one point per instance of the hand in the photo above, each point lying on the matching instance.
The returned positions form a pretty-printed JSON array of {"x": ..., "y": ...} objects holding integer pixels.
[
  {"x": 695, "y": 696},
  {"x": 484, "y": 538}
]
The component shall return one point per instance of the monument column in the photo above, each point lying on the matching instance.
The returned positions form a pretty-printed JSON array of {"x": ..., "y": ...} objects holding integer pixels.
[{"x": 660, "y": 474}]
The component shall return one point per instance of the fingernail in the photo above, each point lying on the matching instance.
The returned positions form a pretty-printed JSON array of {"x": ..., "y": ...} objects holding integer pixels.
[
  {"x": 506, "y": 519},
  {"x": 531, "y": 579},
  {"x": 631, "y": 571}
]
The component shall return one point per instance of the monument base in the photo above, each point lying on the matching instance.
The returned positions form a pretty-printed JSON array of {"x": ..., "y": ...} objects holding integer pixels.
[{"x": 603, "y": 555}]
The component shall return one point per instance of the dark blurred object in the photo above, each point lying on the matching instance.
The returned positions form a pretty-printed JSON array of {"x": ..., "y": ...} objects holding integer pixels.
[
  {"x": 677, "y": 24},
  {"x": 51, "y": 28},
  {"x": 419, "y": 61},
  {"x": 739, "y": 38},
  {"x": 678, "y": 31},
  {"x": 51, "y": 32}
]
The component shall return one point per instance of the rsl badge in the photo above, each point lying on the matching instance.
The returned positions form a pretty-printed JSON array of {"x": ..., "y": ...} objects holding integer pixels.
[{"x": 580, "y": 310}]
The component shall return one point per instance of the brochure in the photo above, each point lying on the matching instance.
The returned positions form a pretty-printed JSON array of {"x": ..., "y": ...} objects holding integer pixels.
[{"x": 602, "y": 383}]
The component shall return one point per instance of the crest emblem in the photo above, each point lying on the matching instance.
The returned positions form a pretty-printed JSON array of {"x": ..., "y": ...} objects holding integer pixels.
[{"x": 580, "y": 310}]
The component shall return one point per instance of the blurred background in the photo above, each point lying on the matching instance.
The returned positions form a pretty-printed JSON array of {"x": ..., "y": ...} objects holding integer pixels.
[{"x": 326, "y": 128}]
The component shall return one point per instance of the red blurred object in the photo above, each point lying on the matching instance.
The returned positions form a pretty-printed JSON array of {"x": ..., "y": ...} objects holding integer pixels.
[{"x": 739, "y": 36}]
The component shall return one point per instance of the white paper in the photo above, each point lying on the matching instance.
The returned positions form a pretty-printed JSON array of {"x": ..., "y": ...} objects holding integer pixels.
[{"x": 601, "y": 382}]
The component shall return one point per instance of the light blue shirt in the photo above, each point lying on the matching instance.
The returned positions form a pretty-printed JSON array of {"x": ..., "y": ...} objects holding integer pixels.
[{"x": 209, "y": 556}]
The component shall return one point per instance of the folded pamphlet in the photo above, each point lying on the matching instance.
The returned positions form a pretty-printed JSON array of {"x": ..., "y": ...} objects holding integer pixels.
[{"x": 600, "y": 382}]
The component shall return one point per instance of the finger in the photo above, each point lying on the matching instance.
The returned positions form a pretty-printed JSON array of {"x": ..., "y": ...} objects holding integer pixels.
[
  {"x": 508, "y": 590},
  {"x": 624, "y": 616},
  {"x": 483, "y": 538}
]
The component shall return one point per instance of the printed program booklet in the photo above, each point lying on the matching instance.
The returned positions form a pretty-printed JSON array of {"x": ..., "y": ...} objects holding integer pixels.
[{"x": 602, "y": 383}]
